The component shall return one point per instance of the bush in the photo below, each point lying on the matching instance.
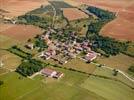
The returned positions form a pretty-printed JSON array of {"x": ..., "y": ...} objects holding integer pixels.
[
  {"x": 1, "y": 82},
  {"x": 131, "y": 68}
]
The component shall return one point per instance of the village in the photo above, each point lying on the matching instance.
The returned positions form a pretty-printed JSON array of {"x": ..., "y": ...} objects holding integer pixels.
[{"x": 62, "y": 51}]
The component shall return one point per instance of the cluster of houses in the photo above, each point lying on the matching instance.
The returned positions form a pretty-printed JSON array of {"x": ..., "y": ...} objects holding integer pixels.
[
  {"x": 48, "y": 72},
  {"x": 64, "y": 51}
]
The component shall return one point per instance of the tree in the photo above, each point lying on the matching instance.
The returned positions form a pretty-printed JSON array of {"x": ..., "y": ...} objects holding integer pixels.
[
  {"x": 115, "y": 72},
  {"x": 131, "y": 68}
]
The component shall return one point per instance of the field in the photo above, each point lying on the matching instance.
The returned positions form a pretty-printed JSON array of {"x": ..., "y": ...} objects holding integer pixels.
[
  {"x": 16, "y": 8},
  {"x": 81, "y": 25},
  {"x": 74, "y": 14},
  {"x": 73, "y": 86},
  {"x": 20, "y": 32},
  {"x": 58, "y": 5},
  {"x": 111, "y": 90},
  {"x": 27, "y": 89},
  {"x": 120, "y": 61},
  {"x": 9, "y": 60},
  {"x": 122, "y": 27}
]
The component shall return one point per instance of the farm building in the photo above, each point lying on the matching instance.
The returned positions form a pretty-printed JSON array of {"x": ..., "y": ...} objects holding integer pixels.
[
  {"x": 51, "y": 73},
  {"x": 90, "y": 56},
  {"x": 30, "y": 46}
]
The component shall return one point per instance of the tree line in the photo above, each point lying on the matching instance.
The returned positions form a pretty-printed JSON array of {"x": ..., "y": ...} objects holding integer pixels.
[{"x": 109, "y": 45}]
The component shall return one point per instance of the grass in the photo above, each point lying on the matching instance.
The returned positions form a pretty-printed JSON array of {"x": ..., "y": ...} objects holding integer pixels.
[
  {"x": 81, "y": 65},
  {"x": 72, "y": 86},
  {"x": 121, "y": 61},
  {"x": 6, "y": 42},
  {"x": 79, "y": 25},
  {"x": 9, "y": 60},
  {"x": 15, "y": 88},
  {"x": 109, "y": 73},
  {"x": 130, "y": 49},
  {"x": 76, "y": 63},
  {"x": 111, "y": 90}
]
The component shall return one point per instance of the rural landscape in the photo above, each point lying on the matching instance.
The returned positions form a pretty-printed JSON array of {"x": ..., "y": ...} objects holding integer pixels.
[{"x": 66, "y": 49}]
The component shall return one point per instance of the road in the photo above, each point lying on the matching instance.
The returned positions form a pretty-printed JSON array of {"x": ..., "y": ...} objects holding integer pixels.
[{"x": 117, "y": 70}]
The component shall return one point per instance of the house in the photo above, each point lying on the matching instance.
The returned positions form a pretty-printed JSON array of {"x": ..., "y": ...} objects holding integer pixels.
[
  {"x": 48, "y": 54},
  {"x": 90, "y": 56},
  {"x": 30, "y": 46},
  {"x": 51, "y": 73}
]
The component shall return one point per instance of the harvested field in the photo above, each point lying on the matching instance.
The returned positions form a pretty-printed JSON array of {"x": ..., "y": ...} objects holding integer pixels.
[
  {"x": 20, "y": 7},
  {"x": 74, "y": 14},
  {"x": 121, "y": 28},
  {"x": 21, "y": 32}
]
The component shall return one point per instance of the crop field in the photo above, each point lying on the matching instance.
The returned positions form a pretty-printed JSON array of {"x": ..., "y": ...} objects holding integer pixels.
[
  {"x": 19, "y": 7},
  {"x": 21, "y": 32},
  {"x": 59, "y": 5},
  {"x": 72, "y": 86},
  {"x": 111, "y": 90},
  {"x": 122, "y": 26},
  {"x": 74, "y": 14},
  {"x": 38, "y": 88},
  {"x": 9, "y": 60},
  {"x": 120, "y": 61},
  {"x": 109, "y": 73},
  {"x": 79, "y": 64},
  {"x": 6, "y": 42}
]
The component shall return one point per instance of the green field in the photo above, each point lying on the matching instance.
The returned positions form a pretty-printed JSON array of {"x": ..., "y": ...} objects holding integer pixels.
[
  {"x": 121, "y": 61},
  {"x": 9, "y": 60},
  {"x": 109, "y": 73},
  {"x": 73, "y": 86},
  {"x": 27, "y": 89},
  {"x": 111, "y": 90},
  {"x": 6, "y": 42}
]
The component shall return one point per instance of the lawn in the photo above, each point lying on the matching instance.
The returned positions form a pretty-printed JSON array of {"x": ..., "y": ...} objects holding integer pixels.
[
  {"x": 111, "y": 90},
  {"x": 121, "y": 61},
  {"x": 9, "y": 60}
]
